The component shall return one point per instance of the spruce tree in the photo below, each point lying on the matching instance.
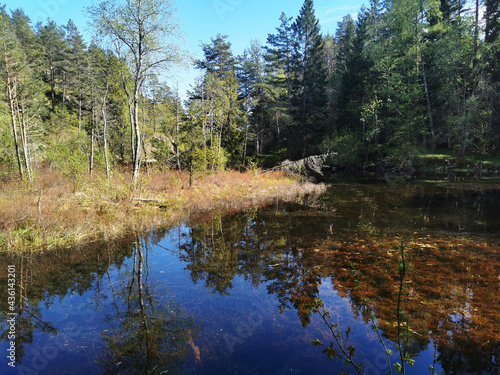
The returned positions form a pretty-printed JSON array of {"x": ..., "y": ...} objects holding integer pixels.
[
  {"x": 278, "y": 80},
  {"x": 279, "y": 56},
  {"x": 309, "y": 83},
  {"x": 344, "y": 38},
  {"x": 492, "y": 27},
  {"x": 492, "y": 33}
]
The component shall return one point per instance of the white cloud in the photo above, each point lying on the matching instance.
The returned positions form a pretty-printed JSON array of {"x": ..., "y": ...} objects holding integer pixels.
[{"x": 335, "y": 14}]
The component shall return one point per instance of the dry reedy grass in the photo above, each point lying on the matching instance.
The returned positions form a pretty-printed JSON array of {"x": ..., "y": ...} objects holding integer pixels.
[{"x": 56, "y": 211}]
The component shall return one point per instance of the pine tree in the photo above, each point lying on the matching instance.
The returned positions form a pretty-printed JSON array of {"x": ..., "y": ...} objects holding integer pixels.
[
  {"x": 26, "y": 36},
  {"x": 220, "y": 90},
  {"x": 252, "y": 92},
  {"x": 75, "y": 64},
  {"x": 219, "y": 58},
  {"x": 51, "y": 38}
]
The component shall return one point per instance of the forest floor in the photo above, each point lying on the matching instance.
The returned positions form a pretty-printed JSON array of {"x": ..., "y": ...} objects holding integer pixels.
[{"x": 56, "y": 211}]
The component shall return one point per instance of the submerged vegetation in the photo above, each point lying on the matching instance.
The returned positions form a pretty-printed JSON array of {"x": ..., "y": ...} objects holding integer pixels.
[{"x": 445, "y": 297}]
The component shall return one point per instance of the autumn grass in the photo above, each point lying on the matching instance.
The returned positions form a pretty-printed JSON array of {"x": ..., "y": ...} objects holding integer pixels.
[{"x": 56, "y": 211}]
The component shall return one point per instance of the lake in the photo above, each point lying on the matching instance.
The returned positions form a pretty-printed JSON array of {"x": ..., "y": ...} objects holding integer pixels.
[{"x": 261, "y": 292}]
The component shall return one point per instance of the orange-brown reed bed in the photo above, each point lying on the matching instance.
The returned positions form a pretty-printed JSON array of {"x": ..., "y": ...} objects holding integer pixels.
[{"x": 56, "y": 211}]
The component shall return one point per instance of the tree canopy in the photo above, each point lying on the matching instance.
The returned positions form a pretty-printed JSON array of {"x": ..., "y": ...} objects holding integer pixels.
[{"x": 403, "y": 77}]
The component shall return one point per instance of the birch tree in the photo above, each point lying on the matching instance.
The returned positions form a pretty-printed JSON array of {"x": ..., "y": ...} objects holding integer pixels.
[
  {"x": 16, "y": 77},
  {"x": 145, "y": 34}
]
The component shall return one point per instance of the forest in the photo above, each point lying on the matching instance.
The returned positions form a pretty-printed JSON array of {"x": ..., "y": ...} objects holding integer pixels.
[
  {"x": 122, "y": 196},
  {"x": 404, "y": 77}
]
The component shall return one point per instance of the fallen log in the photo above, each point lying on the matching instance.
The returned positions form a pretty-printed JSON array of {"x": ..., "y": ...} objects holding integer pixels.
[{"x": 147, "y": 200}]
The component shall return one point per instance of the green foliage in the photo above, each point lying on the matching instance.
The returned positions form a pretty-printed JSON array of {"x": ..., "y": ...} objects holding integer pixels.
[
  {"x": 209, "y": 160},
  {"x": 342, "y": 350},
  {"x": 6, "y": 143},
  {"x": 162, "y": 150},
  {"x": 401, "y": 78},
  {"x": 398, "y": 367},
  {"x": 308, "y": 86},
  {"x": 69, "y": 159},
  {"x": 348, "y": 145},
  {"x": 271, "y": 159}
]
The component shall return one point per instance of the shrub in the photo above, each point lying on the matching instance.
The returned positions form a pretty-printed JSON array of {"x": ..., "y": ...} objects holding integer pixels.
[{"x": 347, "y": 145}]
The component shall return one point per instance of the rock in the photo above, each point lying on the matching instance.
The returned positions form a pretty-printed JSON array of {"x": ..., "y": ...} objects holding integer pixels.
[{"x": 312, "y": 166}]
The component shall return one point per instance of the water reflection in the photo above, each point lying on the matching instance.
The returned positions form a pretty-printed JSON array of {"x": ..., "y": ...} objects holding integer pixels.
[
  {"x": 43, "y": 280},
  {"x": 225, "y": 292},
  {"x": 146, "y": 331},
  {"x": 210, "y": 256},
  {"x": 125, "y": 323},
  {"x": 452, "y": 297}
]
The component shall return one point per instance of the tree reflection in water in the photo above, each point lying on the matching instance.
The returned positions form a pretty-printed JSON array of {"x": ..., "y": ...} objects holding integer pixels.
[
  {"x": 143, "y": 331},
  {"x": 293, "y": 252},
  {"x": 45, "y": 279},
  {"x": 29, "y": 318},
  {"x": 147, "y": 332},
  {"x": 452, "y": 297},
  {"x": 210, "y": 256}
]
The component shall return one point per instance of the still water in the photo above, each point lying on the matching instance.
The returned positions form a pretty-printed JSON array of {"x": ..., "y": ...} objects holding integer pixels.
[{"x": 246, "y": 293}]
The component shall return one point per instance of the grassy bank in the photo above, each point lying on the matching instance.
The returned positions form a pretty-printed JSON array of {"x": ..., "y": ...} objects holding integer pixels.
[
  {"x": 468, "y": 162},
  {"x": 56, "y": 211}
]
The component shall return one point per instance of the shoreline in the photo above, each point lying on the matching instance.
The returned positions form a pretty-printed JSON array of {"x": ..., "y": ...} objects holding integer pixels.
[{"x": 59, "y": 212}]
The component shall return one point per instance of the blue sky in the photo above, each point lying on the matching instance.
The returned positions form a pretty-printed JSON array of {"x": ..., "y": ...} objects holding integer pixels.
[{"x": 242, "y": 20}]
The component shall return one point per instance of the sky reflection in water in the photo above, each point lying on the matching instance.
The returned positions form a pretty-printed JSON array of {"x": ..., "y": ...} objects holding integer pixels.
[{"x": 233, "y": 294}]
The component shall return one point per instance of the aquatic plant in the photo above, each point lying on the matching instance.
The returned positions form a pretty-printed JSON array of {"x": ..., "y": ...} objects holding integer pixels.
[
  {"x": 343, "y": 351},
  {"x": 347, "y": 352}
]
